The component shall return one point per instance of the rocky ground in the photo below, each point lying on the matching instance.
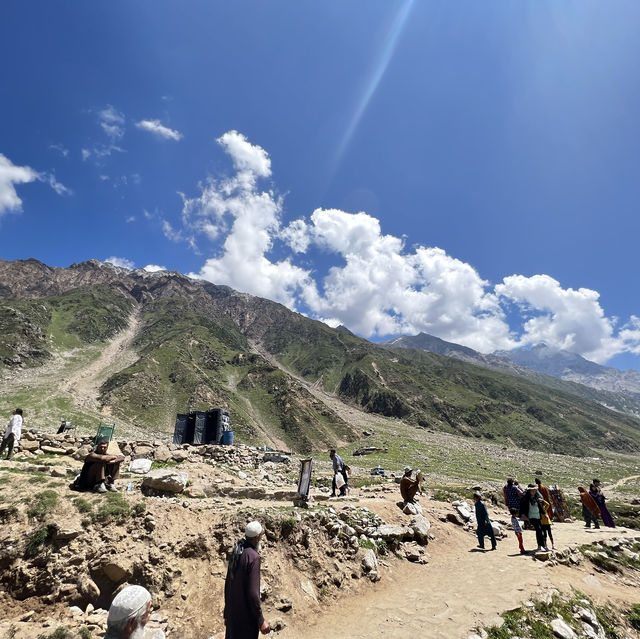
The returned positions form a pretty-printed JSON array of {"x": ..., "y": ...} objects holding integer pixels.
[{"x": 64, "y": 555}]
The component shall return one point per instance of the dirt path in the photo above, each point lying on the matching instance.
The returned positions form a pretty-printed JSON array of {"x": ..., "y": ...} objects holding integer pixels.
[
  {"x": 83, "y": 384},
  {"x": 459, "y": 589},
  {"x": 621, "y": 482}
]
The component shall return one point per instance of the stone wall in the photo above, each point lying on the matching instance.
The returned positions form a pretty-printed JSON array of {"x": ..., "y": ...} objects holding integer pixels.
[{"x": 33, "y": 445}]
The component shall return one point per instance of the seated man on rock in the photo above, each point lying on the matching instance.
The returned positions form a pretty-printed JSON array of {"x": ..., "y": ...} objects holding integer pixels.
[
  {"x": 129, "y": 613},
  {"x": 409, "y": 487},
  {"x": 99, "y": 470}
]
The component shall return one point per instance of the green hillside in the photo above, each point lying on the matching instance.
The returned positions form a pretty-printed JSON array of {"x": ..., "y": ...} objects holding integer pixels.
[{"x": 287, "y": 380}]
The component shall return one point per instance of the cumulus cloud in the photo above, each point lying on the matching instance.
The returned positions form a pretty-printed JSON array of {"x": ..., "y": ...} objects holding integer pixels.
[
  {"x": 154, "y": 268},
  {"x": 567, "y": 319},
  {"x": 159, "y": 130},
  {"x": 122, "y": 262},
  {"x": 10, "y": 175},
  {"x": 377, "y": 286}
]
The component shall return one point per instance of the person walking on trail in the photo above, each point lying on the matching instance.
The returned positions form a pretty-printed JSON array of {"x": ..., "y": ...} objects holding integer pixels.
[
  {"x": 13, "y": 433},
  {"x": 484, "y": 523},
  {"x": 531, "y": 507},
  {"x": 596, "y": 492},
  {"x": 517, "y": 529},
  {"x": 512, "y": 493},
  {"x": 338, "y": 467},
  {"x": 242, "y": 610},
  {"x": 409, "y": 486},
  {"x": 590, "y": 508},
  {"x": 129, "y": 613},
  {"x": 99, "y": 471}
]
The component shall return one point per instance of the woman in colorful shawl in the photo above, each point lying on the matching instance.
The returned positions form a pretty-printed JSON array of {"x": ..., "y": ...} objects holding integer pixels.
[
  {"x": 590, "y": 510},
  {"x": 596, "y": 492}
]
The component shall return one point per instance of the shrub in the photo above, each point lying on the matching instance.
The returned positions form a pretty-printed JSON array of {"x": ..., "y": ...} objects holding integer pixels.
[
  {"x": 139, "y": 508},
  {"x": 43, "y": 504}
]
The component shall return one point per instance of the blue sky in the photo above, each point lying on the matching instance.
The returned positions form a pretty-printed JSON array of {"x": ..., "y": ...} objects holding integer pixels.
[{"x": 464, "y": 169}]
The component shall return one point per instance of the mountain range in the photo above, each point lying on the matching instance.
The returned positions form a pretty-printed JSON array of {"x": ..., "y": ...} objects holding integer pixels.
[
  {"x": 544, "y": 365},
  {"x": 96, "y": 342}
]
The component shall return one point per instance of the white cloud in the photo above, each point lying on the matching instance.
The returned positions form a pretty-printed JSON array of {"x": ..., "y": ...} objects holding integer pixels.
[
  {"x": 10, "y": 175},
  {"x": 566, "y": 319},
  {"x": 122, "y": 262},
  {"x": 159, "y": 130},
  {"x": 376, "y": 285},
  {"x": 130, "y": 218},
  {"x": 64, "y": 152},
  {"x": 50, "y": 179},
  {"x": 154, "y": 268},
  {"x": 112, "y": 122}
]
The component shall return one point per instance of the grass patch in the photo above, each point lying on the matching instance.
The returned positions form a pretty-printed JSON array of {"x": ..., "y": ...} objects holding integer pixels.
[
  {"x": 115, "y": 506},
  {"x": 139, "y": 508},
  {"x": 43, "y": 504},
  {"x": 61, "y": 632},
  {"x": 35, "y": 541},
  {"x": 83, "y": 505},
  {"x": 167, "y": 464}
]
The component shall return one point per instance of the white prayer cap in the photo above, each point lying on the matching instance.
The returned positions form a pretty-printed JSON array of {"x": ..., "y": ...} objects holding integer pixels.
[
  {"x": 253, "y": 529},
  {"x": 128, "y": 603},
  {"x": 407, "y": 469}
]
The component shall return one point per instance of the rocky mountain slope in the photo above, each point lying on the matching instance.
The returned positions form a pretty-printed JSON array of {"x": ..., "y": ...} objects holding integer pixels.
[
  {"x": 571, "y": 373},
  {"x": 573, "y": 367},
  {"x": 94, "y": 342}
]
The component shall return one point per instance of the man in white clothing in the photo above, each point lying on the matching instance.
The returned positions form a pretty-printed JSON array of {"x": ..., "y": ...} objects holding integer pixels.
[{"x": 13, "y": 433}]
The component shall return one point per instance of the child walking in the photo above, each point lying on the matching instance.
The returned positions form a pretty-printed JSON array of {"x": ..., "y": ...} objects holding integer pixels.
[{"x": 517, "y": 529}]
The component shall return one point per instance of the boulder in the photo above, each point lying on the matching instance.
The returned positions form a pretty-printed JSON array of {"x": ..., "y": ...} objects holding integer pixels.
[
  {"x": 30, "y": 445},
  {"x": 562, "y": 630},
  {"x": 53, "y": 450},
  {"x": 392, "y": 533},
  {"x": 88, "y": 589},
  {"x": 142, "y": 451},
  {"x": 421, "y": 526},
  {"x": 166, "y": 480},
  {"x": 464, "y": 511},
  {"x": 64, "y": 534},
  {"x": 412, "y": 509},
  {"x": 116, "y": 570},
  {"x": 370, "y": 562},
  {"x": 162, "y": 454},
  {"x": 179, "y": 455},
  {"x": 454, "y": 518}
]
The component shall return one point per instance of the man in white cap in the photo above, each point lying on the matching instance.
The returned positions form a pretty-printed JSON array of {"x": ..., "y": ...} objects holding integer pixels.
[
  {"x": 129, "y": 613},
  {"x": 408, "y": 486},
  {"x": 242, "y": 610}
]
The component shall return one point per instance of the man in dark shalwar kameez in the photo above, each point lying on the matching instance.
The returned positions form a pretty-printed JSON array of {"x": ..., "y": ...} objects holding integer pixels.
[
  {"x": 242, "y": 610},
  {"x": 99, "y": 470}
]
